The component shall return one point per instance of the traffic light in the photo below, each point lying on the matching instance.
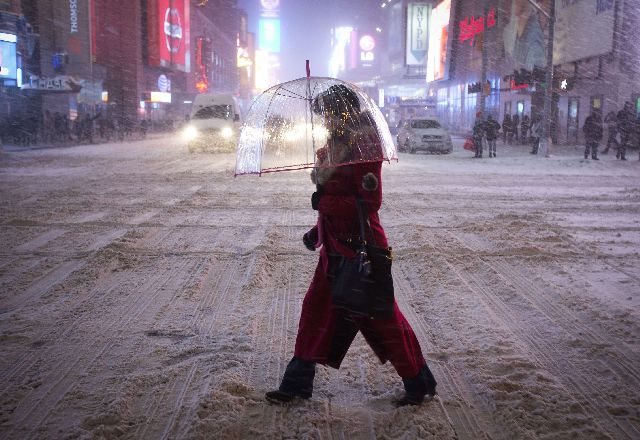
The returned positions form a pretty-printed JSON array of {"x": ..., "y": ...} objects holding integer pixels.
[
  {"x": 522, "y": 77},
  {"x": 565, "y": 83},
  {"x": 539, "y": 75}
]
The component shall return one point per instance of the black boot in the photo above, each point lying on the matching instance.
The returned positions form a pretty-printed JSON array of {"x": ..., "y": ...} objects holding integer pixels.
[
  {"x": 419, "y": 388},
  {"x": 297, "y": 382}
]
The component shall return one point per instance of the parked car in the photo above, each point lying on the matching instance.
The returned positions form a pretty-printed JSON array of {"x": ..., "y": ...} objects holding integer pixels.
[{"x": 423, "y": 134}]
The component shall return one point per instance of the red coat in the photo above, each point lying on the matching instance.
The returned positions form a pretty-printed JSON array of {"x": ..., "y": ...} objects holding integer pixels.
[{"x": 325, "y": 333}]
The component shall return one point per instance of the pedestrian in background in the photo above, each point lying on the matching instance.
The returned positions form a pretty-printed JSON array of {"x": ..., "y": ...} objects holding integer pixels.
[
  {"x": 478, "y": 134},
  {"x": 506, "y": 128},
  {"x": 524, "y": 130},
  {"x": 626, "y": 125},
  {"x": 536, "y": 134},
  {"x": 612, "y": 131},
  {"x": 515, "y": 124},
  {"x": 592, "y": 134},
  {"x": 492, "y": 127}
]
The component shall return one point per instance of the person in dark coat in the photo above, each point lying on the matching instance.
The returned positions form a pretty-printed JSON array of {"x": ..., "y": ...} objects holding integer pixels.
[
  {"x": 524, "y": 129},
  {"x": 506, "y": 128},
  {"x": 491, "y": 132},
  {"x": 515, "y": 123},
  {"x": 478, "y": 134},
  {"x": 325, "y": 332},
  {"x": 612, "y": 131},
  {"x": 592, "y": 134},
  {"x": 626, "y": 125}
]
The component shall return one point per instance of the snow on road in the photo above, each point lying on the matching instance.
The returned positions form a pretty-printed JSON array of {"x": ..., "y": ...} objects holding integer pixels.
[{"x": 146, "y": 293}]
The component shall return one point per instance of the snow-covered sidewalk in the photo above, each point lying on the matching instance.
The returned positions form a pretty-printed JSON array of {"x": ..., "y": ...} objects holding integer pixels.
[{"x": 147, "y": 293}]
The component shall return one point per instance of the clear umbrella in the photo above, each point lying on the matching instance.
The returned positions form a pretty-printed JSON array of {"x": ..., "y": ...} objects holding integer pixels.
[{"x": 297, "y": 125}]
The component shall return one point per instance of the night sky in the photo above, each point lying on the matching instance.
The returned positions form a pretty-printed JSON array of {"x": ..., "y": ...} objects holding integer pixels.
[{"x": 306, "y": 26}]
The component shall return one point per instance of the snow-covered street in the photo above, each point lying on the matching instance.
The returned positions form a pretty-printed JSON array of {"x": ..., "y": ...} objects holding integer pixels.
[{"x": 146, "y": 293}]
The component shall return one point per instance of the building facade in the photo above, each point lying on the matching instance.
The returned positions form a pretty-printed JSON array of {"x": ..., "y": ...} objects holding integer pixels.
[
  {"x": 595, "y": 62},
  {"x": 122, "y": 59},
  {"x": 436, "y": 55}
]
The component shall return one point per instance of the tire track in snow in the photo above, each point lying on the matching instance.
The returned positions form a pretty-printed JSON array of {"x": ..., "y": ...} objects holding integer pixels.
[
  {"x": 574, "y": 383},
  {"x": 471, "y": 418},
  {"x": 220, "y": 287},
  {"x": 564, "y": 317},
  {"x": 38, "y": 405}
]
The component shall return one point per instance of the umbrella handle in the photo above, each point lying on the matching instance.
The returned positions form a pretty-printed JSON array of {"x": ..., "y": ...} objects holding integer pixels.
[{"x": 308, "y": 69}]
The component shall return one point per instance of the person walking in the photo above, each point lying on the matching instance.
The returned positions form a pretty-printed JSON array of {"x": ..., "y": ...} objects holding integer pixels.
[
  {"x": 326, "y": 332},
  {"x": 536, "y": 134},
  {"x": 524, "y": 130},
  {"x": 626, "y": 124},
  {"x": 506, "y": 128},
  {"x": 492, "y": 127},
  {"x": 514, "y": 126},
  {"x": 592, "y": 130},
  {"x": 612, "y": 131},
  {"x": 478, "y": 134}
]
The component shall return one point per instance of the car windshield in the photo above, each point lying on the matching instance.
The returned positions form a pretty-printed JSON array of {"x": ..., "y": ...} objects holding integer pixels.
[
  {"x": 425, "y": 123},
  {"x": 214, "y": 112}
]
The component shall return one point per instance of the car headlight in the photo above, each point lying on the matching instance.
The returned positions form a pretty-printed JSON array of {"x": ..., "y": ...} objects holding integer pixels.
[
  {"x": 190, "y": 133},
  {"x": 226, "y": 132}
]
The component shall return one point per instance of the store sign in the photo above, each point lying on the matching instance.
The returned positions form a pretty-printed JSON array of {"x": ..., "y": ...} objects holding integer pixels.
[
  {"x": 169, "y": 34},
  {"x": 160, "y": 97},
  {"x": 8, "y": 60},
  {"x": 269, "y": 8},
  {"x": 472, "y": 26},
  {"x": 60, "y": 83},
  {"x": 73, "y": 16},
  {"x": 164, "y": 83},
  {"x": 417, "y": 43},
  {"x": 367, "y": 43}
]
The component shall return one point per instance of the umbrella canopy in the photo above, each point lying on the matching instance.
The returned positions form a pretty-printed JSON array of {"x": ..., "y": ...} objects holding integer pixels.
[{"x": 312, "y": 122}]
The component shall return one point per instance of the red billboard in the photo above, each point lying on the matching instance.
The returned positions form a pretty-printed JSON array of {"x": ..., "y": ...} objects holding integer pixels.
[{"x": 168, "y": 30}]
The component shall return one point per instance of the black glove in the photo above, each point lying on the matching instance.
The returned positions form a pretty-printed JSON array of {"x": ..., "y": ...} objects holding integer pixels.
[
  {"x": 315, "y": 199},
  {"x": 310, "y": 238}
]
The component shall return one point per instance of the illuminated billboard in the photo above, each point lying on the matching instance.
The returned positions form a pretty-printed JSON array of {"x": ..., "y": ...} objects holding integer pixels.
[
  {"x": 339, "y": 42},
  {"x": 438, "y": 40},
  {"x": 169, "y": 34},
  {"x": 269, "y": 35},
  {"x": 8, "y": 65},
  {"x": 417, "y": 34},
  {"x": 583, "y": 30}
]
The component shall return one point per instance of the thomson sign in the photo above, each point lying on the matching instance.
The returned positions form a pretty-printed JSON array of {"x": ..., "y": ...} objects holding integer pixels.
[{"x": 73, "y": 16}]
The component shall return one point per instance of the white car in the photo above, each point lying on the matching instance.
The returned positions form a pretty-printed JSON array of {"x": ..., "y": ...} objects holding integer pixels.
[
  {"x": 214, "y": 124},
  {"x": 423, "y": 134}
]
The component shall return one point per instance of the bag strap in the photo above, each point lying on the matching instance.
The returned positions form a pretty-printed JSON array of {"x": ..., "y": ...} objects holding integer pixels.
[{"x": 362, "y": 215}]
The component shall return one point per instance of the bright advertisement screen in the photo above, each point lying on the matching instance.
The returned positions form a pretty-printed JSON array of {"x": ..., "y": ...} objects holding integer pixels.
[
  {"x": 7, "y": 60},
  {"x": 269, "y": 35},
  {"x": 438, "y": 40},
  {"x": 169, "y": 34}
]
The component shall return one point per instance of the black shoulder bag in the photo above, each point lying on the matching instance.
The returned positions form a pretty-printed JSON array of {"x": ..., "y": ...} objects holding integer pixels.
[{"x": 363, "y": 285}]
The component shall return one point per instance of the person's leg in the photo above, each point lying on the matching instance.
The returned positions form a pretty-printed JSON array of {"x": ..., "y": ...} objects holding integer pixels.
[
  {"x": 587, "y": 147},
  {"x": 324, "y": 336},
  {"x": 594, "y": 150},
  {"x": 296, "y": 382},
  {"x": 394, "y": 340}
]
